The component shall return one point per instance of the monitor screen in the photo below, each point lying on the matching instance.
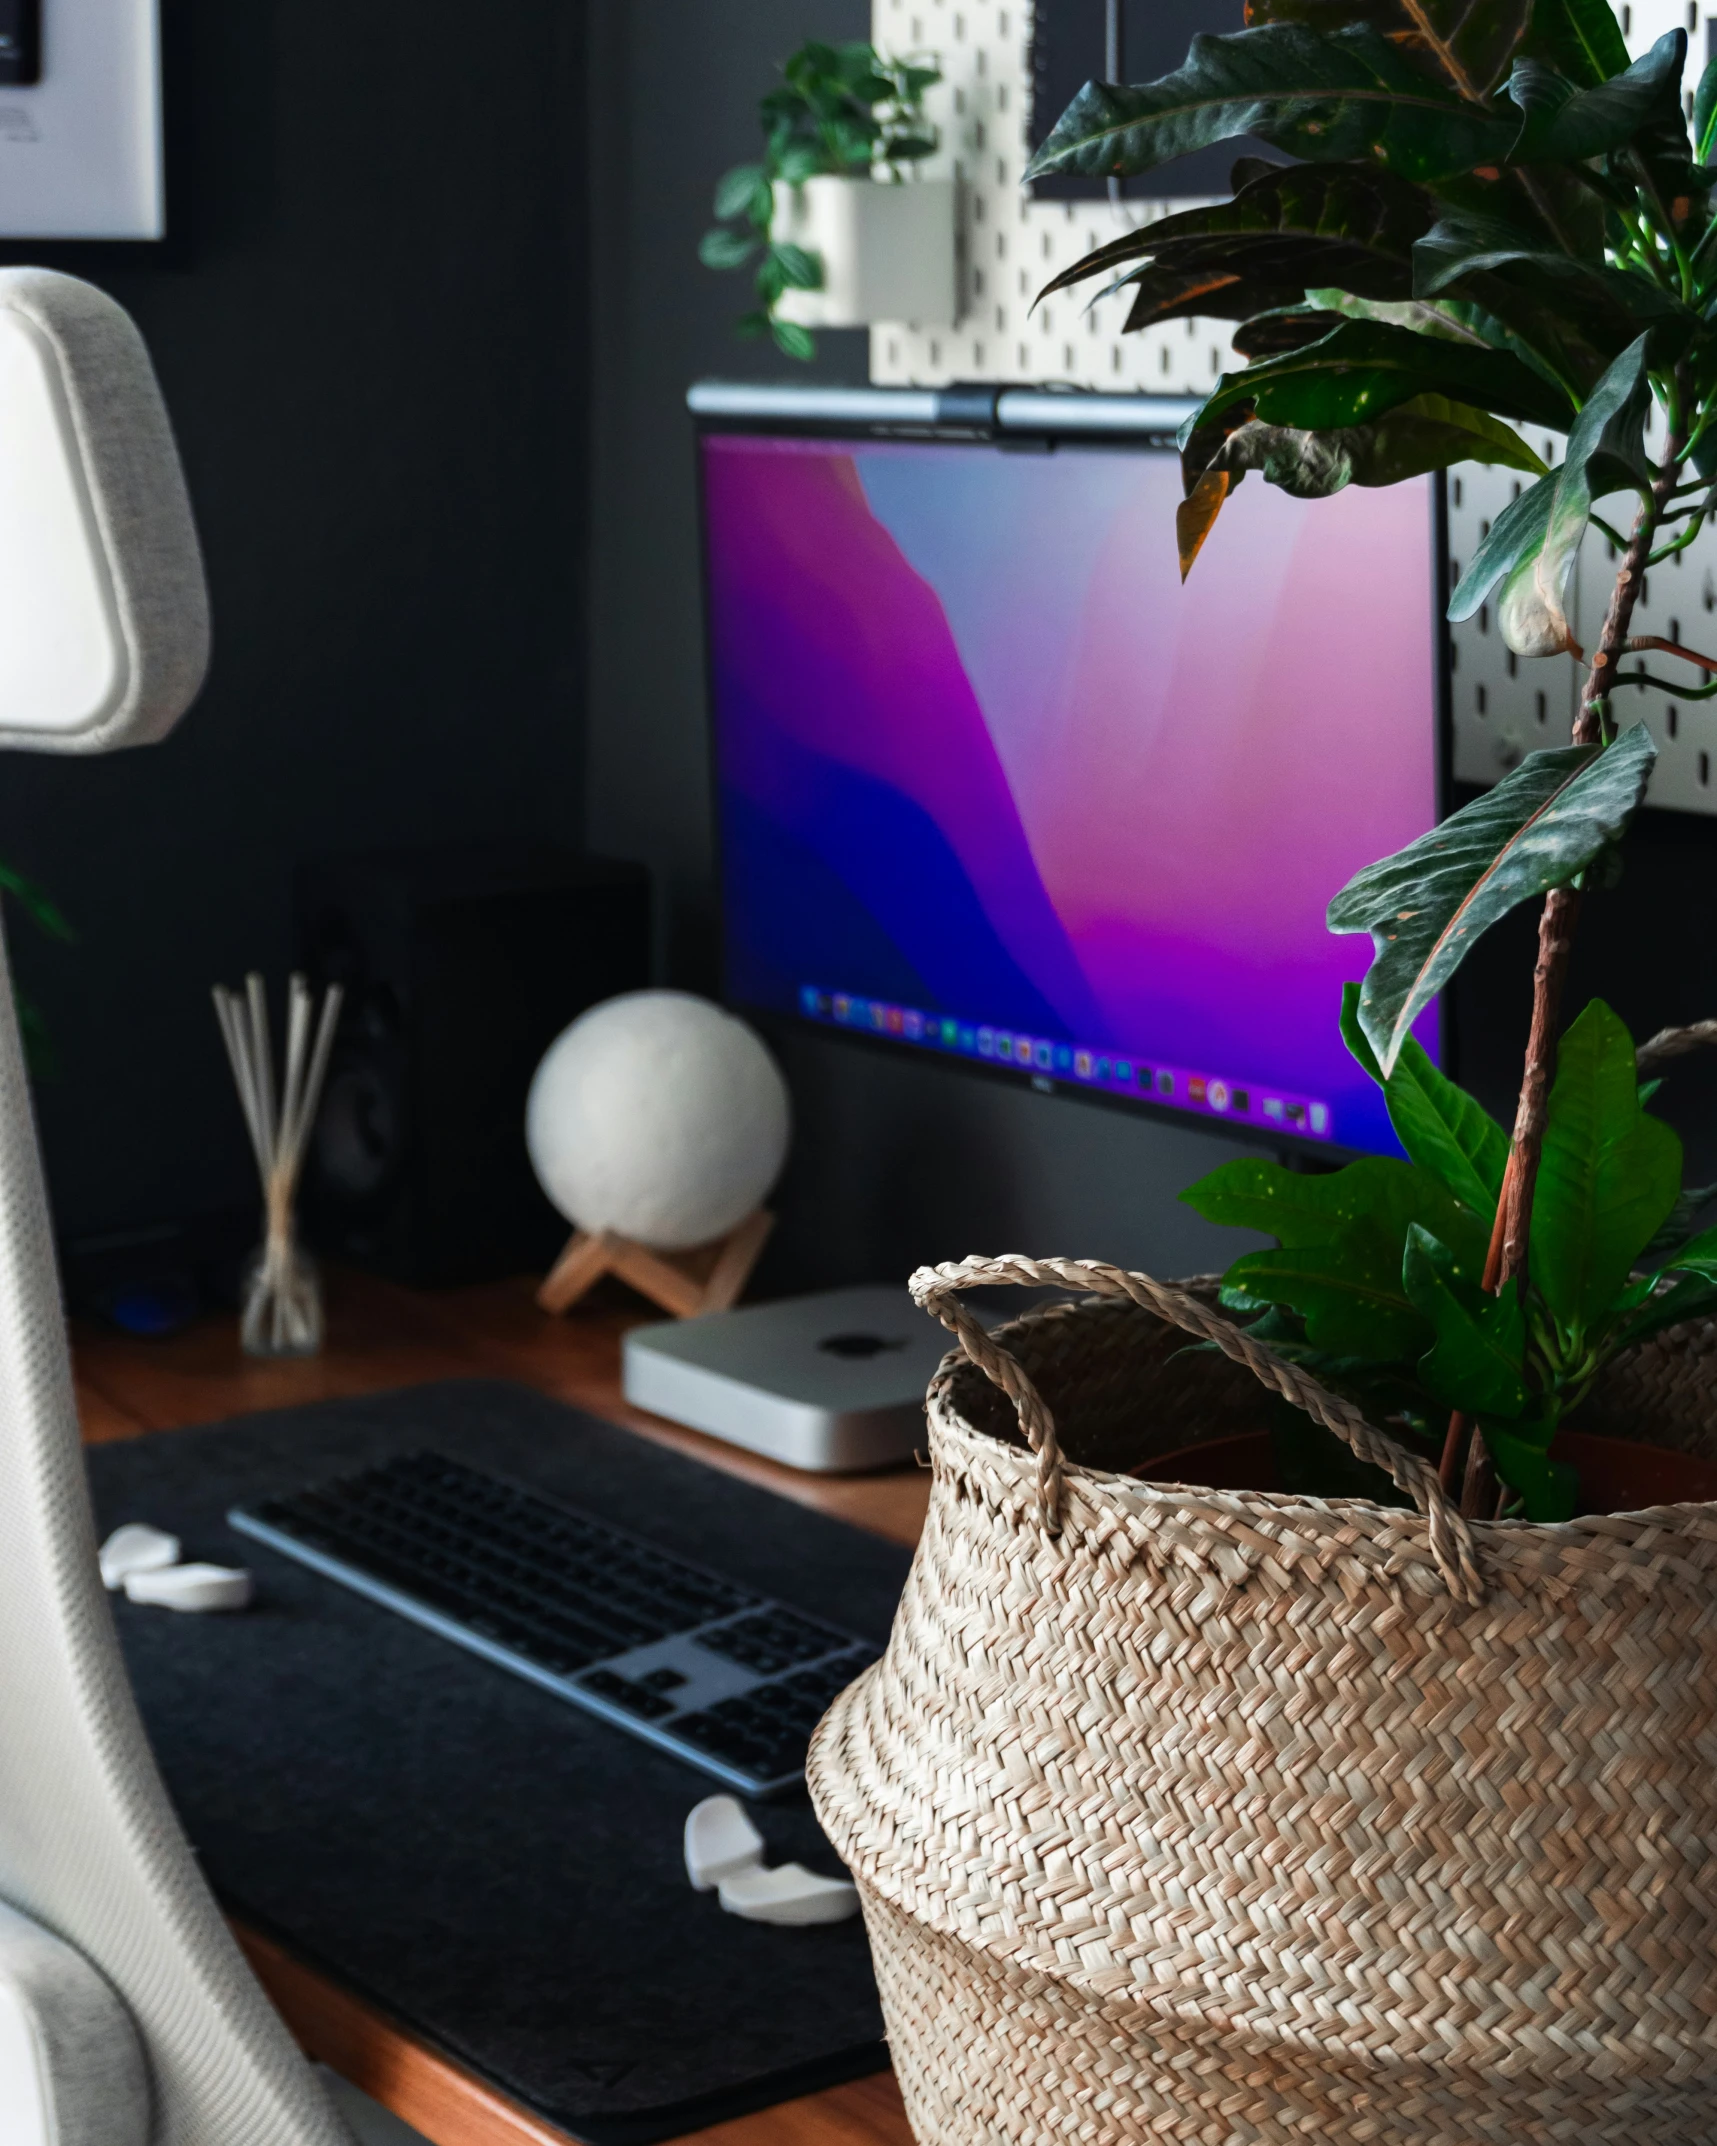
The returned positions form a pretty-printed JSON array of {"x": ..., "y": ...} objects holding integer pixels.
[{"x": 992, "y": 784}]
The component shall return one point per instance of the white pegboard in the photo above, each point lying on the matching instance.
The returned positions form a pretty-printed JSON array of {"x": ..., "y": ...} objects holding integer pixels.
[{"x": 1011, "y": 246}]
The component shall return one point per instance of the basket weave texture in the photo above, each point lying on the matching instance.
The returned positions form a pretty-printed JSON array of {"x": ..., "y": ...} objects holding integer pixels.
[{"x": 1194, "y": 1815}]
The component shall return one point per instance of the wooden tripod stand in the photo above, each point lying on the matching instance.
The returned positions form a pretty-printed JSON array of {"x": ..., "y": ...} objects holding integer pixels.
[{"x": 710, "y": 1277}]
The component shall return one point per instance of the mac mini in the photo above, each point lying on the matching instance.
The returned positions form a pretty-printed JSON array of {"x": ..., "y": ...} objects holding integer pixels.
[{"x": 833, "y": 1381}]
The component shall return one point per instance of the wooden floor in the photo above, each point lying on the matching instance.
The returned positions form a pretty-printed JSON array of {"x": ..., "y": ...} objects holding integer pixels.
[{"x": 381, "y": 1336}]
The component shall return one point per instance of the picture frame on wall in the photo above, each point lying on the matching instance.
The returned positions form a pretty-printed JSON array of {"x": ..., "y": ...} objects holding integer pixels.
[{"x": 80, "y": 120}]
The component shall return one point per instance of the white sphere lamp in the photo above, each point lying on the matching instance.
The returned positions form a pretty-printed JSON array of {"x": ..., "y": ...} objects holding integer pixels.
[{"x": 657, "y": 1123}]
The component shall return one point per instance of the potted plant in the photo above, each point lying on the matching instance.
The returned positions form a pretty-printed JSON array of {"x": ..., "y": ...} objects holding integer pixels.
[
  {"x": 838, "y": 238},
  {"x": 1361, "y": 1787},
  {"x": 1496, "y": 222}
]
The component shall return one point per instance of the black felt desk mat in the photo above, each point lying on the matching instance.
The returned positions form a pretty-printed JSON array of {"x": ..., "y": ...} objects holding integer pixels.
[{"x": 499, "y": 1871}]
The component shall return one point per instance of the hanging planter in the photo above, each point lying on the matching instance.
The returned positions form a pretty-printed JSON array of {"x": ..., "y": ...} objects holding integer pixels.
[
  {"x": 886, "y": 252},
  {"x": 831, "y": 234}
]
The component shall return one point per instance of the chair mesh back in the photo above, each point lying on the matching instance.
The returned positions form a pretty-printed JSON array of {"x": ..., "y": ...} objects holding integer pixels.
[{"x": 89, "y": 1845}]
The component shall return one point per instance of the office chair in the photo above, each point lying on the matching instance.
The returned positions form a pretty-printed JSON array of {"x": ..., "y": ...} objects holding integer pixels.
[{"x": 128, "y": 2016}]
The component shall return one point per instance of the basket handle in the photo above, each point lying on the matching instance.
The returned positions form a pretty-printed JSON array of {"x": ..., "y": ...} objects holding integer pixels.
[{"x": 935, "y": 1290}]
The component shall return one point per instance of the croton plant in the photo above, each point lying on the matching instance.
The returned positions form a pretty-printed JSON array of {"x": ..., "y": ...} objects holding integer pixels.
[{"x": 1492, "y": 220}]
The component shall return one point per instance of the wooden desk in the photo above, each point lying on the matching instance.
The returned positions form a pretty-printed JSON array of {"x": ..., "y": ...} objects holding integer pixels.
[{"x": 381, "y": 1336}]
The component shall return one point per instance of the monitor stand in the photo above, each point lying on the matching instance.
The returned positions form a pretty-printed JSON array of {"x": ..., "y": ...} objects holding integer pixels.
[{"x": 832, "y": 1382}]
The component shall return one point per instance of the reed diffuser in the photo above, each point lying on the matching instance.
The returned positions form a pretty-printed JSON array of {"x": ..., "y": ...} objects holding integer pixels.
[{"x": 282, "y": 1297}]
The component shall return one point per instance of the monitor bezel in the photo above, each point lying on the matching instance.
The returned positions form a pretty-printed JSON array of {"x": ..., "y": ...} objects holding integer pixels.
[{"x": 971, "y": 430}]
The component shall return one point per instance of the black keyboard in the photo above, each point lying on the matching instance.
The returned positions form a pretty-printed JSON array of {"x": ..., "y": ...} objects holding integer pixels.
[{"x": 725, "y": 1679}]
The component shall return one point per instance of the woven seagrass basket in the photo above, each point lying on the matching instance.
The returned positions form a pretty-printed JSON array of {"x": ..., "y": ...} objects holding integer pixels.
[{"x": 1216, "y": 1816}]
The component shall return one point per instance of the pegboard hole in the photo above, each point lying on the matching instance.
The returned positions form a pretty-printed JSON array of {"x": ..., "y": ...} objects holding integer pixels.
[
  {"x": 1457, "y": 491},
  {"x": 1541, "y": 707},
  {"x": 1484, "y": 618},
  {"x": 1513, "y": 664},
  {"x": 1672, "y": 719},
  {"x": 1481, "y": 700},
  {"x": 1705, "y": 771}
]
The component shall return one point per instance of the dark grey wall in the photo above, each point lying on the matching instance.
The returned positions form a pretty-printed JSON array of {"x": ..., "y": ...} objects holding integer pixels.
[
  {"x": 369, "y": 324},
  {"x": 894, "y": 1162}
]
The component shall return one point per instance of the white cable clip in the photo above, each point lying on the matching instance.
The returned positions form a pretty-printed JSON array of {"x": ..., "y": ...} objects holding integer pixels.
[
  {"x": 724, "y": 1855},
  {"x": 135, "y": 1548}
]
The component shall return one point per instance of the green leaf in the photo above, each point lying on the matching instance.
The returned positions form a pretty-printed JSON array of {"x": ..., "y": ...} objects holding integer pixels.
[
  {"x": 1694, "y": 1296},
  {"x": 1535, "y": 541},
  {"x": 1581, "y": 39},
  {"x": 1517, "y": 535},
  {"x": 1548, "y": 1490},
  {"x": 1608, "y": 438},
  {"x": 802, "y": 271},
  {"x": 735, "y": 189},
  {"x": 1363, "y": 368},
  {"x": 793, "y": 340},
  {"x": 1697, "y": 1256},
  {"x": 1349, "y": 1292},
  {"x": 725, "y": 249},
  {"x": 1558, "y": 127},
  {"x": 1478, "y": 1360},
  {"x": 1608, "y": 1174},
  {"x": 1299, "y": 1209},
  {"x": 1425, "y": 906},
  {"x": 1443, "y": 1130},
  {"x": 1327, "y": 99}
]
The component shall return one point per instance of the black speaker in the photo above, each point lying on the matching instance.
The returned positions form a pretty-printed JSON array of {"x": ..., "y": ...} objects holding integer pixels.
[{"x": 460, "y": 967}]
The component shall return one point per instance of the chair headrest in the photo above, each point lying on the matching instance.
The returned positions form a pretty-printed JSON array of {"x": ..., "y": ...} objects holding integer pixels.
[{"x": 104, "y": 618}]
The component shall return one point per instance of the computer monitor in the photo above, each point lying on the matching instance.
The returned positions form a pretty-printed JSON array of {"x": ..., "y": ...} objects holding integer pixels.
[{"x": 993, "y": 786}]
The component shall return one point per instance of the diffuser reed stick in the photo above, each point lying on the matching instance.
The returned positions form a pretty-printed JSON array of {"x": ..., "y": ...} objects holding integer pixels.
[{"x": 282, "y": 1313}]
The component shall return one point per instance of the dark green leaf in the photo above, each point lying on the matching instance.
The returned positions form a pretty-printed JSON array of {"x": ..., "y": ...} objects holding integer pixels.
[
  {"x": 1426, "y": 906},
  {"x": 1327, "y": 99},
  {"x": 1548, "y": 1490},
  {"x": 1607, "y": 1176},
  {"x": 1443, "y": 1130},
  {"x": 1563, "y": 128},
  {"x": 1472, "y": 40},
  {"x": 1167, "y": 291},
  {"x": 1581, "y": 39},
  {"x": 1462, "y": 248},
  {"x": 1705, "y": 114},
  {"x": 726, "y": 249},
  {"x": 1349, "y": 1293},
  {"x": 1343, "y": 224},
  {"x": 1363, "y": 368},
  {"x": 1300, "y": 1210},
  {"x": 1478, "y": 1360}
]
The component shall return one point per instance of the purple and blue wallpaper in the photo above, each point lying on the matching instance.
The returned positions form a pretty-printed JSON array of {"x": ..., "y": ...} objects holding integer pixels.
[{"x": 993, "y": 781}]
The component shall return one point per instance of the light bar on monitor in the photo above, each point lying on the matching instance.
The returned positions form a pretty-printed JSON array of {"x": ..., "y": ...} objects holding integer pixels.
[{"x": 1043, "y": 412}]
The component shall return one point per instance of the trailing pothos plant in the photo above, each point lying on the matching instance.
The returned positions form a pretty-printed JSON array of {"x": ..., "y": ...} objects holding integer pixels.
[
  {"x": 840, "y": 110},
  {"x": 1496, "y": 221}
]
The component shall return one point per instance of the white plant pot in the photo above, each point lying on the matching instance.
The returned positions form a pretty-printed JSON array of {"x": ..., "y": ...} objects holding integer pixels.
[{"x": 887, "y": 251}]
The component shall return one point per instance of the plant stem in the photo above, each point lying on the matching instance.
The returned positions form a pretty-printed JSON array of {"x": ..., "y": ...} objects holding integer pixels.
[{"x": 1562, "y": 904}]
